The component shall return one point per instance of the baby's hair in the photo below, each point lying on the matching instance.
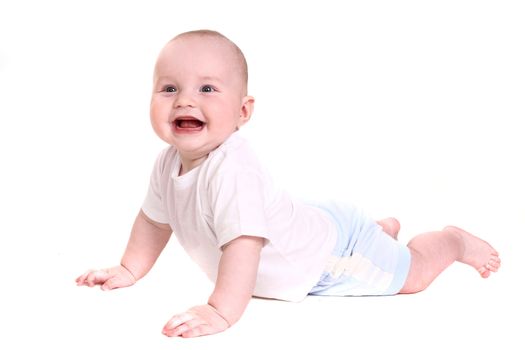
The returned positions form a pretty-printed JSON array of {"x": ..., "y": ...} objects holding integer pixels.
[{"x": 216, "y": 35}]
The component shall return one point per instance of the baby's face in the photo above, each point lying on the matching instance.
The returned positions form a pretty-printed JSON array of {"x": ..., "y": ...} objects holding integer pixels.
[{"x": 198, "y": 95}]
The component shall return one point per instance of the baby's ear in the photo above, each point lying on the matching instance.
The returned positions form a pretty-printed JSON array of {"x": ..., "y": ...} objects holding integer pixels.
[{"x": 246, "y": 109}]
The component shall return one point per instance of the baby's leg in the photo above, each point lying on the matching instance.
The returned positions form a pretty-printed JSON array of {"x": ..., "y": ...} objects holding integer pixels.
[
  {"x": 390, "y": 226},
  {"x": 434, "y": 251}
]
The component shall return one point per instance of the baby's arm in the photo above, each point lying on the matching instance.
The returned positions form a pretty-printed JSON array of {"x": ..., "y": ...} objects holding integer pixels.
[
  {"x": 233, "y": 290},
  {"x": 147, "y": 240}
]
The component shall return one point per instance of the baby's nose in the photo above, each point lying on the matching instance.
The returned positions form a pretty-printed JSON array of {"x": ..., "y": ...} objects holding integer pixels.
[{"x": 183, "y": 99}]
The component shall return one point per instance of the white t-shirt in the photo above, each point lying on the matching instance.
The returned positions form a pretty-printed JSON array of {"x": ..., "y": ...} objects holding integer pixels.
[{"x": 230, "y": 195}]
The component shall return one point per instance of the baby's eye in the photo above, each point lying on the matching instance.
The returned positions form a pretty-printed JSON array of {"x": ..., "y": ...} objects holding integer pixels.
[
  {"x": 170, "y": 89},
  {"x": 207, "y": 88}
]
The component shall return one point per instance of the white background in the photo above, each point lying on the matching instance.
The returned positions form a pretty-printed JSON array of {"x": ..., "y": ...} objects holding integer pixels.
[{"x": 407, "y": 108}]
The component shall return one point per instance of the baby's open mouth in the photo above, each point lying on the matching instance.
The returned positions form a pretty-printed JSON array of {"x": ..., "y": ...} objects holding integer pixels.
[{"x": 188, "y": 123}]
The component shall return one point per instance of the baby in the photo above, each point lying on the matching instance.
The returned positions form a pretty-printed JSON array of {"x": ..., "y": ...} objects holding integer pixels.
[{"x": 250, "y": 238}]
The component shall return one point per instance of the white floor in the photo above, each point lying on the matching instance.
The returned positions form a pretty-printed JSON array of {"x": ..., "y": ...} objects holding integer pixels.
[{"x": 41, "y": 306}]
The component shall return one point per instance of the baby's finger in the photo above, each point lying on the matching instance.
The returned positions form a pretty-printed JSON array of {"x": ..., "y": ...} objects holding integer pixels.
[
  {"x": 194, "y": 332},
  {"x": 96, "y": 277},
  {"x": 115, "y": 282},
  {"x": 177, "y": 320},
  {"x": 110, "y": 284},
  {"x": 81, "y": 280},
  {"x": 185, "y": 327},
  {"x": 174, "y": 332},
  {"x": 198, "y": 331}
]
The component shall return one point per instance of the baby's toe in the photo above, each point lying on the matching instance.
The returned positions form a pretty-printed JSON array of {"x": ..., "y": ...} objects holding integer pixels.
[
  {"x": 493, "y": 266},
  {"x": 484, "y": 271},
  {"x": 494, "y": 263}
]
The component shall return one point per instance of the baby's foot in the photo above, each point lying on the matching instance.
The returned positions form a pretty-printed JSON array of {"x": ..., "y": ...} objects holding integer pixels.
[
  {"x": 477, "y": 253},
  {"x": 390, "y": 226}
]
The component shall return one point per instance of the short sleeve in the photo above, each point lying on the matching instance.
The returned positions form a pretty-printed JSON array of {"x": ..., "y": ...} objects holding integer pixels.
[
  {"x": 154, "y": 205},
  {"x": 238, "y": 204}
]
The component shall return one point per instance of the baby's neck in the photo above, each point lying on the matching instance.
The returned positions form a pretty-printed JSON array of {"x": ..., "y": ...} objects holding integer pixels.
[{"x": 187, "y": 165}]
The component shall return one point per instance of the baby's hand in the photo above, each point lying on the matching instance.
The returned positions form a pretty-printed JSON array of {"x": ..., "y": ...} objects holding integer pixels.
[
  {"x": 114, "y": 277},
  {"x": 197, "y": 321}
]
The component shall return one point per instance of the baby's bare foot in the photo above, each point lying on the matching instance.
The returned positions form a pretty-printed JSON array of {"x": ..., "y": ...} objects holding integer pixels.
[
  {"x": 390, "y": 226},
  {"x": 477, "y": 253}
]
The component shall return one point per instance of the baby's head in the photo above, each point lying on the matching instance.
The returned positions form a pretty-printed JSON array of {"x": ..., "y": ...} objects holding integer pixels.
[
  {"x": 199, "y": 92},
  {"x": 235, "y": 57}
]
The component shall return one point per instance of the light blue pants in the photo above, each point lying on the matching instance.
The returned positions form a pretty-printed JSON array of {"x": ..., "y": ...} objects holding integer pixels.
[{"x": 365, "y": 260}]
